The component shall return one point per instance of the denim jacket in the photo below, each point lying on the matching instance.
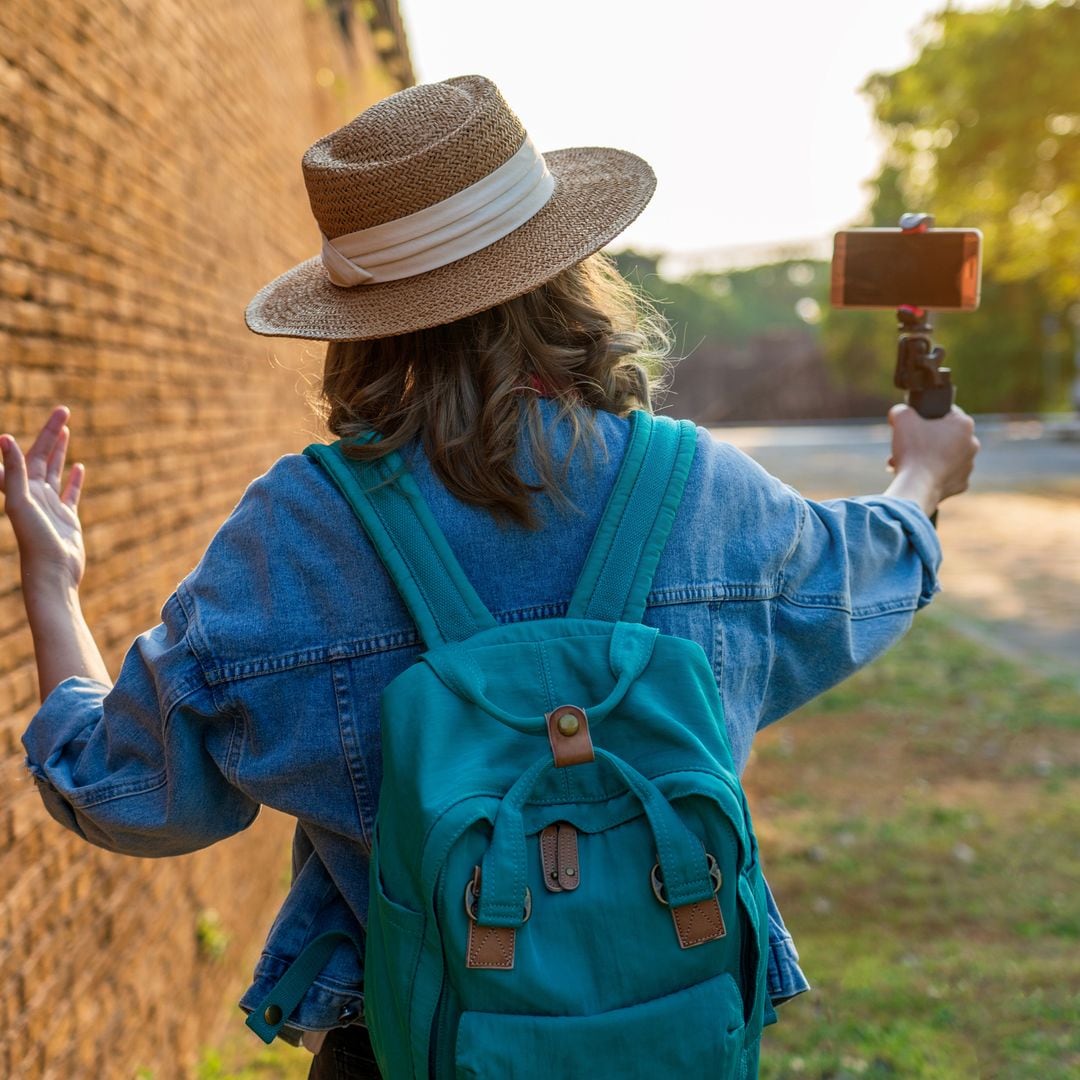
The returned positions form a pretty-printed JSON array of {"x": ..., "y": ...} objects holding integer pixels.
[{"x": 261, "y": 683}]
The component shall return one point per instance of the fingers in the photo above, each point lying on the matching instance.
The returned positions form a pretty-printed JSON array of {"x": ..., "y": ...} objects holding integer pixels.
[
  {"x": 74, "y": 485},
  {"x": 37, "y": 458},
  {"x": 44, "y": 462},
  {"x": 54, "y": 467},
  {"x": 16, "y": 487}
]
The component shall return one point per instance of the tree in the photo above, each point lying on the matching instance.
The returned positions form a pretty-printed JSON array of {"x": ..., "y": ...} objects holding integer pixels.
[
  {"x": 749, "y": 341},
  {"x": 983, "y": 130},
  {"x": 985, "y": 127},
  {"x": 732, "y": 306}
]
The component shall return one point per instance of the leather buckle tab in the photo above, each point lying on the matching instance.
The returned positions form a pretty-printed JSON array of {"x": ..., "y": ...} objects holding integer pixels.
[{"x": 568, "y": 733}]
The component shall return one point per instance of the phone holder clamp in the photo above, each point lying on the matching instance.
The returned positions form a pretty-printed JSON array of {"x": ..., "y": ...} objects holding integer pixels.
[{"x": 929, "y": 386}]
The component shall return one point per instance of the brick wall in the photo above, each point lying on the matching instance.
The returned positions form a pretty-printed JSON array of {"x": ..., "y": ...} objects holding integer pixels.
[{"x": 149, "y": 184}]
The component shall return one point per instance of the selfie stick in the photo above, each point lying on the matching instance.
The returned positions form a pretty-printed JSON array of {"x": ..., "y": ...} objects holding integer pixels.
[
  {"x": 929, "y": 386},
  {"x": 930, "y": 391}
]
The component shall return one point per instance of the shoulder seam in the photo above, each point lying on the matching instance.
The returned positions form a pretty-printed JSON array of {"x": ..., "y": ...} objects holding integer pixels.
[
  {"x": 794, "y": 545},
  {"x": 192, "y": 634}
]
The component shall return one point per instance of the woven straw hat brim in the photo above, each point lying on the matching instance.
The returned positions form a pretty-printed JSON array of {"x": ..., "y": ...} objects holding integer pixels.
[{"x": 598, "y": 192}]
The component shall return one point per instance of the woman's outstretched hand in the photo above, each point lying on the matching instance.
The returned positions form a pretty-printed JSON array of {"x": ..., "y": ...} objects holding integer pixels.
[
  {"x": 932, "y": 459},
  {"x": 44, "y": 516}
]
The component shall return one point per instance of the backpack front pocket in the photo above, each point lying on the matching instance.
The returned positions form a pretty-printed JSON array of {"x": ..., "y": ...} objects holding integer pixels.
[{"x": 693, "y": 1032}]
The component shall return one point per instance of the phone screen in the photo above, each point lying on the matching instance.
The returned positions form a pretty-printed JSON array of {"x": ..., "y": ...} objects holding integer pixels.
[{"x": 885, "y": 268}]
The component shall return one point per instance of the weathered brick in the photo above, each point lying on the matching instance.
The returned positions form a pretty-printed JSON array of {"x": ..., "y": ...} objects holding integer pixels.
[{"x": 149, "y": 185}]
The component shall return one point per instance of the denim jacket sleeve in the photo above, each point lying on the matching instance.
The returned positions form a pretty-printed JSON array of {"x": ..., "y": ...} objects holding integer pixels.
[
  {"x": 858, "y": 570},
  {"x": 809, "y": 592},
  {"x": 142, "y": 768}
]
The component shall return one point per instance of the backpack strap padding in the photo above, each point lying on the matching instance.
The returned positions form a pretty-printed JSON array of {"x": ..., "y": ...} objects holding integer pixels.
[
  {"x": 640, "y": 512},
  {"x": 414, "y": 550}
]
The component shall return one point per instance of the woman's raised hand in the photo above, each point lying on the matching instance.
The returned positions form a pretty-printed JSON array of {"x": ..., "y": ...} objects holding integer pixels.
[
  {"x": 932, "y": 459},
  {"x": 44, "y": 516}
]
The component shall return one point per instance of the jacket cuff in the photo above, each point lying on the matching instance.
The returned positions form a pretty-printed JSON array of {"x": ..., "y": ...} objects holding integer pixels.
[
  {"x": 70, "y": 711},
  {"x": 65, "y": 719},
  {"x": 920, "y": 533}
]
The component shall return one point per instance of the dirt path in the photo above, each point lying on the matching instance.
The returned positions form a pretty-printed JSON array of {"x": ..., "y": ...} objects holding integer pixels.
[
  {"x": 1010, "y": 574},
  {"x": 1011, "y": 571}
]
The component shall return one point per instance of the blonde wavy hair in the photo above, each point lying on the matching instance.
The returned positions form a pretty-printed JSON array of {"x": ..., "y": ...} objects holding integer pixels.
[{"x": 591, "y": 338}]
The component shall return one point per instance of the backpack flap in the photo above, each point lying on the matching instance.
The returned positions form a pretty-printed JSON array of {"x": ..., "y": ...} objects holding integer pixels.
[{"x": 629, "y": 650}]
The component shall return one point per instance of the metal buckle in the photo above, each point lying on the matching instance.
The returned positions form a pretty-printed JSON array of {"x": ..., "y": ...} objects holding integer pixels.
[
  {"x": 658, "y": 882},
  {"x": 472, "y": 895}
]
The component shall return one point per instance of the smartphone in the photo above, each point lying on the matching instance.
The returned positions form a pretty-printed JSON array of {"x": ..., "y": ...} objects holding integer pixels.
[{"x": 887, "y": 268}]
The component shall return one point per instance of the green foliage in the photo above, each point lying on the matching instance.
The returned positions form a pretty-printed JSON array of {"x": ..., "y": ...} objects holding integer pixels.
[
  {"x": 985, "y": 126},
  {"x": 210, "y": 935},
  {"x": 983, "y": 131},
  {"x": 278, "y": 1061},
  {"x": 860, "y": 347},
  {"x": 732, "y": 306},
  {"x": 1001, "y": 358}
]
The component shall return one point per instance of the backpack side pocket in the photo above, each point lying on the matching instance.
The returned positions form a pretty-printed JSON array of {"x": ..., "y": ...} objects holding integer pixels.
[{"x": 394, "y": 937}]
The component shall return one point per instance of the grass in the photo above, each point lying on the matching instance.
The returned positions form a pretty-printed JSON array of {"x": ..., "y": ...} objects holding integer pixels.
[
  {"x": 237, "y": 1061},
  {"x": 920, "y": 828}
]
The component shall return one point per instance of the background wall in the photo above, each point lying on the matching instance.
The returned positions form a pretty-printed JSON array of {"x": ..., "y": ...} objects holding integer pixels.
[{"x": 150, "y": 183}]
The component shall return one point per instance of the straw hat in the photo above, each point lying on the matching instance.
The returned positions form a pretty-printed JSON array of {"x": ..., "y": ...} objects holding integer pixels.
[{"x": 434, "y": 204}]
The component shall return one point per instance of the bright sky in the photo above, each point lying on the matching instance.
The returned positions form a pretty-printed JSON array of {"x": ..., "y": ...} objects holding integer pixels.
[{"x": 748, "y": 112}]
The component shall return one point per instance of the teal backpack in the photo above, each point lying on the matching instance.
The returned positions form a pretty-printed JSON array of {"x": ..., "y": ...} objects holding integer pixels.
[{"x": 564, "y": 878}]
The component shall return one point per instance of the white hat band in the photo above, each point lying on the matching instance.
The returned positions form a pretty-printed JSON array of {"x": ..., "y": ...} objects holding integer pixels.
[{"x": 465, "y": 222}]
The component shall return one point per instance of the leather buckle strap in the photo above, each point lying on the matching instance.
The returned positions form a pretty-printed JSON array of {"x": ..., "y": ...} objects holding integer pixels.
[
  {"x": 700, "y": 921},
  {"x": 489, "y": 946},
  {"x": 559, "y": 855}
]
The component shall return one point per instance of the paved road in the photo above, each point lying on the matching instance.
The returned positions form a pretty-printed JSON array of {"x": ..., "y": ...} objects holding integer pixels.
[
  {"x": 849, "y": 459},
  {"x": 1011, "y": 568}
]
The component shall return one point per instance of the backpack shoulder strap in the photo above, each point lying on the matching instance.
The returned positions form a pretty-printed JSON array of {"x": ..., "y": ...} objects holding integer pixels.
[
  {"x": 637, "y": 519},
  {"x": 385, "y": 497}
]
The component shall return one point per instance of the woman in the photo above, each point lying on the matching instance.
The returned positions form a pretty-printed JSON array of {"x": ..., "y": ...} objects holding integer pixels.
[{"x": 473, "y": 325}]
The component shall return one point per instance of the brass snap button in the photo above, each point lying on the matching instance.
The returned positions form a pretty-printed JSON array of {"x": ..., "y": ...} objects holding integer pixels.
[
  {"x": 272, "y": 1015},
  {"x": 568, "y": 724}
]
